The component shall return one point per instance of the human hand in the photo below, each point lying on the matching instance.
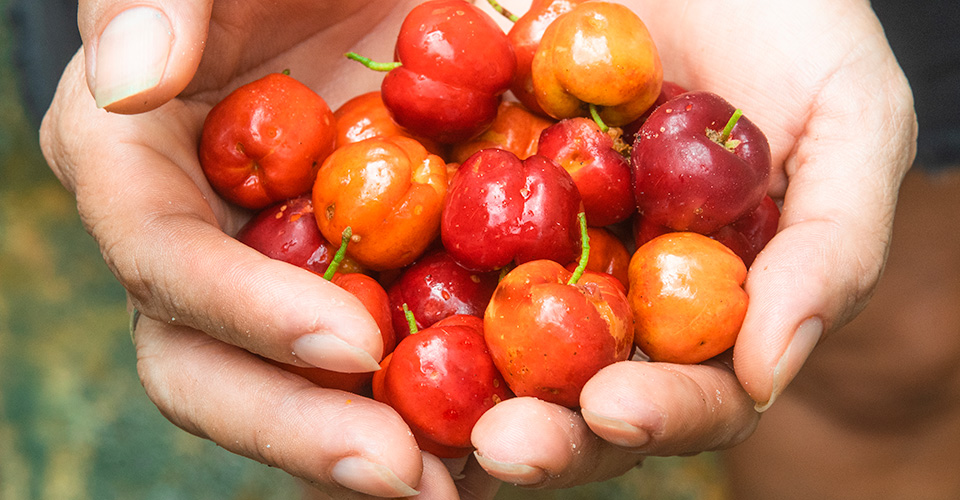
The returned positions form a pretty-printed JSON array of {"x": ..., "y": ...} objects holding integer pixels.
[
  {"x": 821, "y": 81},
  {"x": 211, "y": 307},
  {"x": 821, "y": 229}
]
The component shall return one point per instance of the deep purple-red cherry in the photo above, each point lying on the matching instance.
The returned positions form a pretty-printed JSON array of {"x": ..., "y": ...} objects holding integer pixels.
[
  {"x": 436, "y": 287},
  {"x": 690, "y": 174},
  {"x": 288, "y": 231}
]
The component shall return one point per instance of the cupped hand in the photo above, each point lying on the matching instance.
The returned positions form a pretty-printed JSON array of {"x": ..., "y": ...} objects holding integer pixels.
[
  {"x": 817, "y": 77},
  {"x": 122, "y": 135},
  {"x": 820, "y": 80}
]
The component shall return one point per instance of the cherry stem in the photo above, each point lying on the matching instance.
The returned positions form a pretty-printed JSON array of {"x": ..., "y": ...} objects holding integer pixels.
[
  {"x": 584, "y": 250},
  {"x": 732, "y": 122},
  {"x": 286, "y": 71},
  {"x": 376, "y": 66},
  {"x": 341, "y": 253},
  {"x": 411, "y": 320},
  {"x": 503, "y": 11},
  {"x": 596, "y": 118}
]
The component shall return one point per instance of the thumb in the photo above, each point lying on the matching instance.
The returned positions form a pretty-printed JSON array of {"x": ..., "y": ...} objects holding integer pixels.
[{"x": 138, "y": 54}]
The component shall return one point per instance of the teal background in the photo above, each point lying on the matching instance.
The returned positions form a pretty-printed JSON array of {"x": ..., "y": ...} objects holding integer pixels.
[{"x": 75, "y": 422}]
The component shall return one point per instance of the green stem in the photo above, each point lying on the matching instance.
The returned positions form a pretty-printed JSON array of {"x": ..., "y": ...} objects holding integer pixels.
[
  {"x": 584, "y": 250},
  {"x": 376, "y": 66},
  {"x": 411, "y": 320},
  {"x": 503, "y": 11},
  {"x": 595, "y": 114},
  {"x": 341, "y": 253},
  {"x": 732, "y": 122}
]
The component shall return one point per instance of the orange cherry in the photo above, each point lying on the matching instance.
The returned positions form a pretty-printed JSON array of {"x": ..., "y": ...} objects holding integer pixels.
[{"x": 687, "y": 296}]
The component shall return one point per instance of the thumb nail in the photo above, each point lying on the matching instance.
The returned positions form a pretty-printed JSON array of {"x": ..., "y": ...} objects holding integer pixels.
[
  {"x": 131, "y": 54},
  {"x": 330, "y": 352},
  {"x": 797, "y": 352},
  {"x": 362, "y": 475}
]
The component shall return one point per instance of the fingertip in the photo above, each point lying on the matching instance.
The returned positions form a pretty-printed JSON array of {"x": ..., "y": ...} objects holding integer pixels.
[
  {"x": 525, "y": 440},
  {"x": 436, "y": 482},
  {"x": 619, "y": 404},
  {"x": 138, "y": 56},
  {"x": 797, "y": 286},
  {"x": 667, "y": 409},
  {"x": 805, "y": 338},
  {"x": 364, "y": 476}
]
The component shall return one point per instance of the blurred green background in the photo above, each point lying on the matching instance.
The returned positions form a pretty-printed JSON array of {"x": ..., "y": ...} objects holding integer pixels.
[{"x": 75, "y": 422}]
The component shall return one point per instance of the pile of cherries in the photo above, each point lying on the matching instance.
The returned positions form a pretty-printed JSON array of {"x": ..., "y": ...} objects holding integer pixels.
[{"x": 506, "y": 247}]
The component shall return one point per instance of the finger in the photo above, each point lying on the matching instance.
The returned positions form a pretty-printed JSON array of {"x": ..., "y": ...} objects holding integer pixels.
[
  {"x": 473, "y": 482},
  {"x": 143, "y": 197},
  {"x": 436, "y": 482},
  {"x": 530, "y": 442},
  {"x": 667, "y": 409},
  {"x": 140, "y": 55},
  {"x": 821, "y": 268},
  {"x": 340, "y": 442}
]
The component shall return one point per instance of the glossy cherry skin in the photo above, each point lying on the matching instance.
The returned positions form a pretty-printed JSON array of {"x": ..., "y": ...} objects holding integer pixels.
[
  {"x": 601, "y": 173},
  {"x": 515, "y": 129},
  {"x": 525, "y": 35},
  {"x": 456, "y": 65},
  {"x": 365, "y": 116},
  {"x": 436, "y": 287},
  {"x": 686, "y": 180},
  {"x": 264, "y": 142},
  {"x": 441, "y": 380},
  {"x": 598, "y": 53},
  {"x": 687, "y": 296},
  {"x": 548, "y": 338},
  {"x": 746, "y": 236},
  {"x": 288, "y": 231},
  {"x": 501, "y": 209},
  {"x": 389, "y": 191}
]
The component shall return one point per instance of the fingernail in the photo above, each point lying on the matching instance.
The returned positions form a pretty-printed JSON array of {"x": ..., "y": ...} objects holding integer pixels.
[
  {"x": 131, "y": 55},
  {"x": 364, "y": 476},
  {"x": 519, "y": 474},
  {"x": 333, "y": 353},
  {"x": 799, "y": 349},
  {"x": 616, "y": 431}
]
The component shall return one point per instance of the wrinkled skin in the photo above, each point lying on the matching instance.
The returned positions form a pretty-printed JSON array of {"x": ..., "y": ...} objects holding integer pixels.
[{"x": 841, "y": 131}]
